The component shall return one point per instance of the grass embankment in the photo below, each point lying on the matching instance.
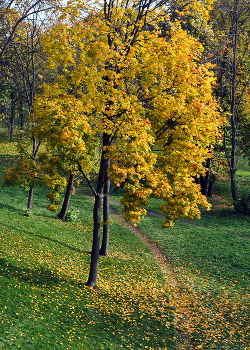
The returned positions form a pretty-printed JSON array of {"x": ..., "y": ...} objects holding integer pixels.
[
  {"x": 44, "y": 263},
  {"x": 211, "y": 262}
]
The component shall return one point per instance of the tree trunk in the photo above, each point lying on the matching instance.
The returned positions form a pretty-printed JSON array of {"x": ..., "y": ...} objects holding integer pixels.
[
  {"x": 95, "y": 243},
  {"x": 30, "y": 198},
  {"x": 234, "y": 117},
  {"x": 211, "y": 186},
  {"x": 21, "y": 119},
  {"x": 12, "y": 115},
  {"x": 105, "y": 235},
  {"x": 102, "y": 177},
  {"x": 65, "y": 206},
  {"x": 204, "y": 181}
]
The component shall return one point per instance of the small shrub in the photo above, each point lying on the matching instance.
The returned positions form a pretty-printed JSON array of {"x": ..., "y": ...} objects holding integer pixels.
[
  {"x": 52, "y": 207},
  {"x": 27, "y": 213},
  {"x": 72, "y": 215},
  {"x": 53, "y": 196}
]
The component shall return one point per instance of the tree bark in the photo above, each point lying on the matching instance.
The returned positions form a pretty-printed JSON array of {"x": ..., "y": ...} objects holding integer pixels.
[
  {"x": 206, "y": 179},
  {"x": 93, "y": 272},
  {"x": 68, "y": 192},
  {"x": 211, "y": 186},
  {"x": 105, "y": 235},
  {"x": 21, "y": 119},
  {"x": 233, "y": 109},
  {"x": 102, "y": 176},
  {"x": 30, "y": 198},
  {"x": 12, "y": 115}
]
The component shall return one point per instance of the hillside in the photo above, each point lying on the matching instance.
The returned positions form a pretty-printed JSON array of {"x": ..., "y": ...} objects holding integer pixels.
[{"x": 180, "y": 288}]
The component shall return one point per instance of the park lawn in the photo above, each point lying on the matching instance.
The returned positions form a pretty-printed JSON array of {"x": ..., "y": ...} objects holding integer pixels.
[
  {"x": 44, "y": 303},
  {"x": 44, "y": 264},
  {"x": 210, "y": 258}
]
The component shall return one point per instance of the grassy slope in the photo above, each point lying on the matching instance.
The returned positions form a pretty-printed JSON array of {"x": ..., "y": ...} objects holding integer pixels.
[
  {"x": 211, "y": 260},
  {"x": 44, "y": 263}
]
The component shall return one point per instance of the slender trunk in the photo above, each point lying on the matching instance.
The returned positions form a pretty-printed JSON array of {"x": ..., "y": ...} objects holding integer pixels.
[
  {"x": 206, "y": 179},
  {"x": 95, "y": 243},
  {"x": 105, "y": 235},
  {"x": 21, "y": 119},
  {"x": 12, "y": 116},
  {"x": 234, "y": 185},
  {"x": 234, "y": 116},
  {"x": 65, "y": 206},
  {"x": 30, "y": 198},
  {"x": 97, "y": 212},
  {"x": 211, "y": 186}
]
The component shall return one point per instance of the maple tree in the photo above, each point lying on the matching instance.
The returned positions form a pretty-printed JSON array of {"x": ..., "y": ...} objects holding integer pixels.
[
  {"x": 140, "y": 102},
  {"x": 42, "y": 169}
]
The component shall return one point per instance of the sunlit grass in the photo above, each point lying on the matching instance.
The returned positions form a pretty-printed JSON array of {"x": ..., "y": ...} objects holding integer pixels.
[
  {"x": 44, "y": 303},
  {"x": 44, "y": 264},
  {"x": 211, "y": 264}
]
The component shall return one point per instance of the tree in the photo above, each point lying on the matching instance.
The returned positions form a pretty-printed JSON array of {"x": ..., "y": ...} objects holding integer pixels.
[
  {"x": 39, "y": 169},
  {"x": 194, "y": 18},
  {"x": 25, "y": 72},
  {"x": 231, "y": 54},
  {"x": 147, "y": 99},
  {"x": 13, "y": 13},
  {"x": 26, "y": 172},
  {"x": 59, "y": 175},
  {"x": 63, "y": 212}
]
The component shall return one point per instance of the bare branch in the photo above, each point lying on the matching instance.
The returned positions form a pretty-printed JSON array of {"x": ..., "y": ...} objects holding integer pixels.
[
  {"x": 28, "y": 12},
  {"x": 87, "y": 179}
]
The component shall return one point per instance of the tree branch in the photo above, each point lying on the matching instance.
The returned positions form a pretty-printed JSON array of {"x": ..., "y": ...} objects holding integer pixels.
[{"x": 86, "y": 178}]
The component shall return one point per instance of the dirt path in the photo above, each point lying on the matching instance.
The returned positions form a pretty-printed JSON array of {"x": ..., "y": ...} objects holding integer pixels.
[{"x": 183, "y": 311}]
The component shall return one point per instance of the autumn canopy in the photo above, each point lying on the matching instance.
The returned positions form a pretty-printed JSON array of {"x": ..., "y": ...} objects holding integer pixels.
[{"x": 131, "y": 102}]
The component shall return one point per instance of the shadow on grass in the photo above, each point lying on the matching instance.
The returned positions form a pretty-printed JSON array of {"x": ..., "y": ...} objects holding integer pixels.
[
  {"x": 53, "y": 240},
  {"x": 11, "y": 208},
  {"x": 136, "y": 331},
  {"x": 60, "y": 243},
  {"x": 39, "y": 276},
  {"x": 109, "y": 329}
]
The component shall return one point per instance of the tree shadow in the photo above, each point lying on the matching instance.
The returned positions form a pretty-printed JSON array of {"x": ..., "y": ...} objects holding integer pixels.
[
  {"x": 60, "y": 243},
  {"x": 141, "y": 328},
  {"x": 53, "y": 240},
  {"x": 38, "y": 276},
  {"x": 11, "y": 208},
  {"x": 93, "y": 319}
]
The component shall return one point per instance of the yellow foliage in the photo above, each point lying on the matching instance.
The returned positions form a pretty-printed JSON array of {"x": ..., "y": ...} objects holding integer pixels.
[
  {"x": 26, "y": 172},
  {"x": 150, "y": 94},
  {"x": 52, "y": 207}
]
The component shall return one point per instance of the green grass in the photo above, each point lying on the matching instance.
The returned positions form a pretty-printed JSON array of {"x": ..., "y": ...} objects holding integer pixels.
[
  {"x": 211, "y": 261},
  {"x": 44, "y": 303},
  {"x": 44, "y": 263}
]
